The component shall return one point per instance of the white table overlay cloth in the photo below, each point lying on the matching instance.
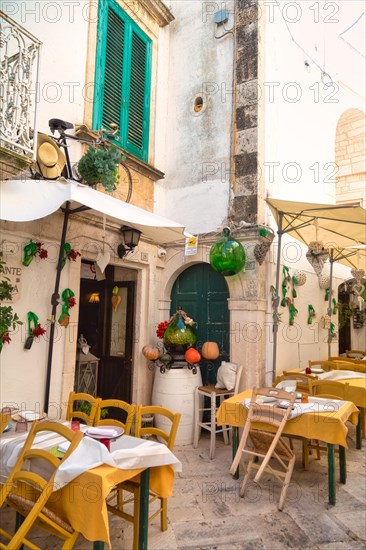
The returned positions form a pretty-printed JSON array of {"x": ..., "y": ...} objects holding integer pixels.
[{"x": 127, "y": 452}]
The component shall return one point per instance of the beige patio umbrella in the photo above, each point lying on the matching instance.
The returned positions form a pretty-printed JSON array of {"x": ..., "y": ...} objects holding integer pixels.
[{"x": 340, "y": 228}]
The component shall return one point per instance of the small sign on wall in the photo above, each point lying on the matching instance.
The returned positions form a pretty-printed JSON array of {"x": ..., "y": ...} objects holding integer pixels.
[
  {"x": 13, "y": 272},
  {"x": 191, "y": 246}
]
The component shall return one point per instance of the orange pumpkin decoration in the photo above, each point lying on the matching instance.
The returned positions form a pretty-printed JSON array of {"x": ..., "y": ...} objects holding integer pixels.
[
  {"x": 192, "y": 355},
  {"x": 210, "y": 350},
  {"x": 151, "y": 352}
]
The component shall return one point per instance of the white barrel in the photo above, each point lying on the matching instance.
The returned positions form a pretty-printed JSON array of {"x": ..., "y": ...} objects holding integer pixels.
[{"x": 175, "y": 390}]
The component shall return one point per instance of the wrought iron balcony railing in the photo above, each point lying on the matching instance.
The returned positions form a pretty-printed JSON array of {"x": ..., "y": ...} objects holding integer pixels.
[{"x": 19, "y": 65}]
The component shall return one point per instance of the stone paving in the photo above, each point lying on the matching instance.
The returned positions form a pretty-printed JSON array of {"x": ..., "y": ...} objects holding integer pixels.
[{"x": 207, "y": 513}]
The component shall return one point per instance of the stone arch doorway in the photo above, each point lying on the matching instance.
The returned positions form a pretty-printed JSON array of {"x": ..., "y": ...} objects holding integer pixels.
[{"x": 203, "y": 294}]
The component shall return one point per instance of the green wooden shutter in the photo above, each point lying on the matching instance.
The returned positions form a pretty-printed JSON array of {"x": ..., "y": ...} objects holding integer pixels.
[
  {"x": 113, "y": 75},
  {"x": 122, "y": 79},
  {"x": 139, "y": 96}
]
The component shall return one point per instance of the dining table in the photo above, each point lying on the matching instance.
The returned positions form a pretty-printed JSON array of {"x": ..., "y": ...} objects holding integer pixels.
[
  {"x": 356, "y": 392},
  {"x": 86, "y": 478},
  {"x": 324, "y": 422}
]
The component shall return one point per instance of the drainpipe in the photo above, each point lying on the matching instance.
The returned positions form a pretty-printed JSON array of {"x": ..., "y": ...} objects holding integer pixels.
[
  {"x": 54, "y": 302},
  {"x": 330, "y": 309},
  {"x": 277, "y": 298}
]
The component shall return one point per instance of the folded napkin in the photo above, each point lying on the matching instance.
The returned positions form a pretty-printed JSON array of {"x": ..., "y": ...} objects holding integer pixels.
[
  {"x": 63, "y": 446},
  {"x": 29, "y": 415},
  {"x": 107, "y": 432},
  {"x": 341, "y": 375}
]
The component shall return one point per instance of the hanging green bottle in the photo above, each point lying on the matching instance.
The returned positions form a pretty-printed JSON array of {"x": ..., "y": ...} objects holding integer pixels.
[
  {"x": 227, "y": 256},
  {"x": 179, "y": 332}
]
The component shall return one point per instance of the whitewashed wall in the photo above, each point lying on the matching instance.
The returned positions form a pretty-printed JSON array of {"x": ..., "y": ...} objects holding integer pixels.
[{"x": 195, "y": 151}]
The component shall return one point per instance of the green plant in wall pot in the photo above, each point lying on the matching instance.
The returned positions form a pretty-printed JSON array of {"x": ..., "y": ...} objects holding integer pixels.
[
  {"x": 8, "y": 318},
  {"x": 101, "y": 166}
]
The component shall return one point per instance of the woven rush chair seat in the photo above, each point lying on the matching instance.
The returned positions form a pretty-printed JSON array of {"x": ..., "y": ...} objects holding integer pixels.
[
  {"x": 28, "y": 490},
  {"x": 212, "y": 388},
  {"x": 24, "y": 505}
]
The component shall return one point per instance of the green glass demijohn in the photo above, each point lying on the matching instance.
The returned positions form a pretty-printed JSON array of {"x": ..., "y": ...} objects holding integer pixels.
[
  {"x": 227, "y": 256},
  {"x": 178, "y": 332}
]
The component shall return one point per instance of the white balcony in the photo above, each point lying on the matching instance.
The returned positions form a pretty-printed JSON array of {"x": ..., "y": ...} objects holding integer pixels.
[{"x": 19, "y": 63}]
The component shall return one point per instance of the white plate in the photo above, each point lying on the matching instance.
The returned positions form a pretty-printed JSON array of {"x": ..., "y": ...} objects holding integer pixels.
[
  {"x": 29, "y": 416},
  {"x": 120, "y": 431},
  {"x": 316, "y": 371}
]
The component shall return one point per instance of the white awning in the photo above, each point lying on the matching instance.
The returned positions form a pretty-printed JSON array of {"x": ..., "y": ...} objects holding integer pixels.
[{"x": 27, "y": 200}]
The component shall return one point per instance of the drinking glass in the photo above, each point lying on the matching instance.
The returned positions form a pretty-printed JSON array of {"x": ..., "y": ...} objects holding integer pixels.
[
  {"x": 75, "y": 425},
  {"x": 21, "y": 426}
]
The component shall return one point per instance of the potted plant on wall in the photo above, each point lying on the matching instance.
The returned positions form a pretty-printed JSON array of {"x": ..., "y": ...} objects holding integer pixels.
[
  {"x": 100, "y": 165},
  {"x": 8, "y": 318}
]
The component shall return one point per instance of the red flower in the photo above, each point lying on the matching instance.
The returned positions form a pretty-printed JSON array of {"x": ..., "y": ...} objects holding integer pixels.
[
  {"x": 42, "y": 252},
  {"x": 161, "y": 329},
  {"x": 38, "y": 331},
  {"x": 72, "y": 255},
  {"x": 72, "y": 301},
  {"x": 6, "y": 338}
]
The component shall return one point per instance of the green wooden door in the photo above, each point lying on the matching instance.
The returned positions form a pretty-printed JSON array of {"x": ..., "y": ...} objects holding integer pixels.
[{"x": 203, "y": 295}]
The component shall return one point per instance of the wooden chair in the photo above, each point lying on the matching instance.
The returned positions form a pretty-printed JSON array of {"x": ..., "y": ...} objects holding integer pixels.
[
  {"x": 212, "y": 393},
  {"x": 355, "y": 353},
  {"x": 117, "y": 404},
  {"x": 359, "y": 366},
  {"x": 329, "y": 388},
  {"x": 77, "y": 399},
  {"x": 356, "y": 367},
  {"x": 342, "y": 359},
  {"x": 4, "y": 421},
  {"x": 302, "y": 380},
  {"x": 28, "y": 492},
  {"x": 267, "y": 445},
  {"x": 303, "y": 385},
  {"x": 116, "y": 503}
]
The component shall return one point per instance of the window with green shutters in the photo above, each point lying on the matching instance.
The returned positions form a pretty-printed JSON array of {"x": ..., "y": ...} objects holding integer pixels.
[{"x": 122, "y": 79}]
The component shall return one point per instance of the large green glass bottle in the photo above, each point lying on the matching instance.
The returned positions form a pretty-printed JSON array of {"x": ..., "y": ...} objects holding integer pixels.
[
  {"x": 227, "y": 256},
  {"x": 178, "y": 332}
]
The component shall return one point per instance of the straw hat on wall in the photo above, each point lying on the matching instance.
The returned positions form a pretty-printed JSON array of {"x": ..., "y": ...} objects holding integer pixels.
[{"x": 50, "y": 158}]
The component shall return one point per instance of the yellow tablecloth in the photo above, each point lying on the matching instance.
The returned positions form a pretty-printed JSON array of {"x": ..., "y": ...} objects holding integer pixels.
[
  {"x": 83, "y": 501},
  {"x": 357, "y": 388},
  {"x": 329, "y": 426}
]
